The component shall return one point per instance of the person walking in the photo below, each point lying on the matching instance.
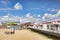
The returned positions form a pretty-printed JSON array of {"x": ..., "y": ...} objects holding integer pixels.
[{"x": 13, "y": 30}]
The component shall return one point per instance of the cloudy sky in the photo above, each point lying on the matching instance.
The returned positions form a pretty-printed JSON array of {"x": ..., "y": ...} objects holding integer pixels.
[{"x": 45, "y": 9}]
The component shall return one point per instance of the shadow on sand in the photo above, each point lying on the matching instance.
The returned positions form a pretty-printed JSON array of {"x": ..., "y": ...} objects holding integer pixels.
[
  {"x": 47, "y": 35},
  {"x": 9, "y": 32}
]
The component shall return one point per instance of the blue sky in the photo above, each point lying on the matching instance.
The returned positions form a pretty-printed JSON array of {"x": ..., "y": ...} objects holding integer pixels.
[{"x": 38, "y": 7}]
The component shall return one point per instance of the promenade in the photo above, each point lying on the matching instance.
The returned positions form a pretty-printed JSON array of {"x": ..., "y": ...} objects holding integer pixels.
[{"x": 24, "y": 35}]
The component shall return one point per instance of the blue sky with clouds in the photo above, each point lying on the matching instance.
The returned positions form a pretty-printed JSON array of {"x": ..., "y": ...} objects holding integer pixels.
[{"x": 35, "y": 7}]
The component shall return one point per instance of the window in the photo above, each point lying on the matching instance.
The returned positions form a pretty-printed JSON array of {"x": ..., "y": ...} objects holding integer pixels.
[
  {"x": 47, "y": 26},
  {"x": 54, "y": 27},
  {"x": 41, "y": 25}
]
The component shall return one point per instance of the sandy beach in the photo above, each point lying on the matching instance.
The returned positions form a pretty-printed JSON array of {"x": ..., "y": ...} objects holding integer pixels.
[{"x": 22, "y": 35}]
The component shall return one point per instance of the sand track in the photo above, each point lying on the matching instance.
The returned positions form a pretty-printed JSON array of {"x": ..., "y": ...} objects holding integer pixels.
[{"x": 22, "y": 35}]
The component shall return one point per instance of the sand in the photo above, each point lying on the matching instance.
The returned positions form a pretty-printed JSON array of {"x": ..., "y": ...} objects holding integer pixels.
[{"x": 22, "y": 35}]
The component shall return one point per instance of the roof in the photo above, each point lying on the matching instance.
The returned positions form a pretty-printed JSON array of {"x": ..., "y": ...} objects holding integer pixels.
[{"x": 53, "y": 22}]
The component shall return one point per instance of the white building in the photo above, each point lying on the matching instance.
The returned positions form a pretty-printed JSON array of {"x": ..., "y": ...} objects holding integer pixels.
[{"x": 51, "y": 26}]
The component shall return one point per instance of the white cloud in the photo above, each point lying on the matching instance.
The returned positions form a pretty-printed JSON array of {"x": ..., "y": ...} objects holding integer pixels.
[
  {"x": 50, "y": 17},
  {"x": 28, "y": 14},
  {"x": 46, "y": 14},
  {"x": 47, "y": 17},
  {"x": 48, "y": 9},
  {"x": 53, "y": 9},
  {"x": 38, "y": 15},
  {"x": 35, "y": 8},
  {"x": 10, "y": 17},
  {"x": 5, "y": 9},
  {"x": 5, "y": 2},
  {"x": 58, "y": 12},
  {"x": 43, "y": 18},
  {"x": 18, "y": 6},
  {"x": 31, "y": 18}
]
